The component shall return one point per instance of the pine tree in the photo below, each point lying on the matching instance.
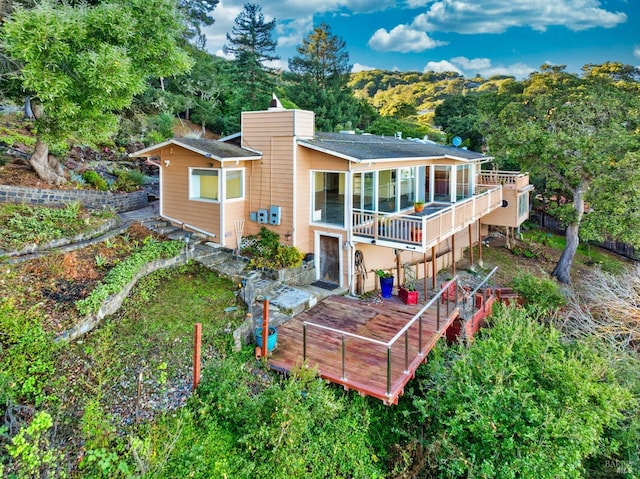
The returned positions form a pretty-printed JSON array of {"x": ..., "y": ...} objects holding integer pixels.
[{"x": 252, "y": 45}]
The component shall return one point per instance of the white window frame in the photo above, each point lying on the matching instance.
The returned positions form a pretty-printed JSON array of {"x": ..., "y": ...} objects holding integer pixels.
[{"x": 222, "y": 185}]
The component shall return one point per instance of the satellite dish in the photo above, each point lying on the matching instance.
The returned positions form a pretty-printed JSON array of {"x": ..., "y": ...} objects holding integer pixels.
[{"x": 456, "y": 140}]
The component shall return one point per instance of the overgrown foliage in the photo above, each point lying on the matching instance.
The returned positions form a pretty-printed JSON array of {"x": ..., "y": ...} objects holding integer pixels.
[
  {"x": 267, "y": 252},
  {"x": 540, "y": 294},
  {"x": 520, "y": 402},
  {"x": 22, "y": 224},
  {"x": 124, "y": 272}
]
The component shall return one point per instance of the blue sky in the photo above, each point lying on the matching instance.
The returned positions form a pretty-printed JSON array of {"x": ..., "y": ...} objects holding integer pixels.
[{"x": 489, "y": 37}]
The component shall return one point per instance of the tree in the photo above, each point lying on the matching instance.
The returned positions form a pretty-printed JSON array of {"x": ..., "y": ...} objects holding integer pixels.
[
  {"x": 580, "y": 134},
  {"x": 319, "y": 78},
  {"x": 197, "y": 14},
  {"x": 251, "y": 43},
  {"x": 82, "y": 64}
]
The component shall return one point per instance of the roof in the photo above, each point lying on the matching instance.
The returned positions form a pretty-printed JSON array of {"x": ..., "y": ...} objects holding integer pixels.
[
  {"x": 378, "y": 148},
  {"x": 218, "y": 150}
]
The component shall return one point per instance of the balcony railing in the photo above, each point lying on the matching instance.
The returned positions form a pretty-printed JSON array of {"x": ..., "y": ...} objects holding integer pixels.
[
  {"x": 509, "y": 179},
  {"x": 413, "y": 231}
]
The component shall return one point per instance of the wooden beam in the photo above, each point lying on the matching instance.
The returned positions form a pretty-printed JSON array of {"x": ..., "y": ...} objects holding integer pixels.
[
  {"x": 197, "y": 348},
  {"x": 470, "y": 245},
  {"x": 480, "y": 244},
  {"x": 453, "y": 254},
  {"x": 425, "y": 279},
  {"x": 434, "y": 267}
]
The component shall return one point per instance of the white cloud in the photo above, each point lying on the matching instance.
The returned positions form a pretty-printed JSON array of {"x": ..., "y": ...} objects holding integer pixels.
[
  {"x": 402, "y": 39},
  {"x": 441, "y": 66},
  {"x": 221, "y": 53},
  {"x": 475, "y": 64},
  {"x": 357, "y": 67},
  {"x": 496, "y": 16},
  {"x": 636, "y": 51},
  {"x": 482, "y": 66}
]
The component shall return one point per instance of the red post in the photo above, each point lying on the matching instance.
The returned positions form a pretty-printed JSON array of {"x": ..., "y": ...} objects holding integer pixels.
[
  {"x": 265, "y": 327},
  {"x": 197, "y": 348}
]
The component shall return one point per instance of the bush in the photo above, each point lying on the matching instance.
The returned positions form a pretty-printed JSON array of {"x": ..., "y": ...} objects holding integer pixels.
[
  {"x": 543, "y": 294},
  {"x": 268, "y": 253},
  {"x": 94, "y": 179},
  {"x": 128, "y": 180},
  {"x": 520, "y": 402}
]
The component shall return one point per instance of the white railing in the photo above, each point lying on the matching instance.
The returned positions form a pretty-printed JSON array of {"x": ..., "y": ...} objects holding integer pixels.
[
  {"x": 503, "y": 178},
  {"x": 428, "y": 230}
]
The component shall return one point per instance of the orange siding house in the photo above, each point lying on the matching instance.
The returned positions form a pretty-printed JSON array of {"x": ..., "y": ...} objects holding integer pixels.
[{"x": 346, "y": 198}]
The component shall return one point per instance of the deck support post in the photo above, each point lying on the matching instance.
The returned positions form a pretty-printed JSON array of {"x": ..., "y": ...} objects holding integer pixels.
[
  {"x": 470, "y": 245},
  {"x": 398, "y": 266},
  {"x": 197, "y": 348},
  {"x": 480, "y": 263},
  {"x": 425, "y": 280},
  {"x": 453, "y": 254},
  {"x": 434, "y": 267},
  {"x": 438, "y": 316}
]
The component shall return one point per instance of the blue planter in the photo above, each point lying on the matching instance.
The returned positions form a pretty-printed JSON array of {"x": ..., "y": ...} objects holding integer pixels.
[
  {"x": 386, "y": 287},
  {"x": 272, "y": 339}
]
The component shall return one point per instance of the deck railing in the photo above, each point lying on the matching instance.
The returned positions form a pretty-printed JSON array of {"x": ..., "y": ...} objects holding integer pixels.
[
  {"x": 507, "y": 178},
  {"x": 444, "y": 296},
  {"x": 427, "y": 230},
  {"x": 469, "y": 306}
]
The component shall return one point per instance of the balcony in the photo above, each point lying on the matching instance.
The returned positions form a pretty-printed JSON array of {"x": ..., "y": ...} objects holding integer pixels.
[{"x": 420, "y": 231}]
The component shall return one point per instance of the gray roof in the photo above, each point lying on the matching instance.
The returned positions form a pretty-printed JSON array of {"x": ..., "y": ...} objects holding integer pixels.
[
  {"x": 210, "y": 148},
  {"x": 374, "y": 147}
]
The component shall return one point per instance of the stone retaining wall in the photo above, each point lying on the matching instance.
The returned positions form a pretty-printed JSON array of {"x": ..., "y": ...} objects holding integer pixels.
[
  {"x": 113, "y": 302},
  {"x": 89, "y": 198}
]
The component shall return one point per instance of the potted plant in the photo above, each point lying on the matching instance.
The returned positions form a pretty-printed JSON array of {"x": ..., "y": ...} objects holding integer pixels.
[
  {"x": 408, "y": 294},
  {"x": 418, "y": 206},
  {"x": 386, "y": 282}
]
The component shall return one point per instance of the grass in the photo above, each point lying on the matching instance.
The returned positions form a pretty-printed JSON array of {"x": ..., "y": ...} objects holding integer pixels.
[{"x": 22, "y": 224}]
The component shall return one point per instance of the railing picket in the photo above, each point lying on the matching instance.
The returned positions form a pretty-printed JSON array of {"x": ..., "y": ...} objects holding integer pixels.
[
  {"x": 406, "y": 351},
  {"x": 344, "y": 376}
]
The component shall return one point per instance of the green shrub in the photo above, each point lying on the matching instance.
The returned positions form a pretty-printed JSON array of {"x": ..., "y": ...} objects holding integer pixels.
[
  {"x": 268, "y": 253},
  {"x": 128, "y": 180},
  {"x": 118, "y": 277},
  {"x": 520, "y": 402},
  {"x": 27, "y": 355},
  {"x": 94, "y": 179},
  {"x": 542, "y": 294},
  {"x": 31, "y": 448}
]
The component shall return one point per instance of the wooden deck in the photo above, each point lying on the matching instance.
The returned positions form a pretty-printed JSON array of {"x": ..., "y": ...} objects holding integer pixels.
[{"x": 374, "y": 348}]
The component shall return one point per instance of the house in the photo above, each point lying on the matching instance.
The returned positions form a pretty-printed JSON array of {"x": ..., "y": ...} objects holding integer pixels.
[{"x": 346, "y": 198}]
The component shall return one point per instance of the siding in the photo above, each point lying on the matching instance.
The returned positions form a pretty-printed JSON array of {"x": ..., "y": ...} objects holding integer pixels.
[{"x": 174, "y": 193}]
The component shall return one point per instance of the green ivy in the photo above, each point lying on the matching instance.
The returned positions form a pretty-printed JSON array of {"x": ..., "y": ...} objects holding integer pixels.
[{"x": 118, "y": 277}]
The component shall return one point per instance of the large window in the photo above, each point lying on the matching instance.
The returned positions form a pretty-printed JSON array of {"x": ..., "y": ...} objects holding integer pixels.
[
  {"x": 328, "y": 198},
  {"x": 523, "y": 204},
  {"x": 204, "y": 184},
  {"x": 463, "y": 182},
  {"x": 364, "y": 191},
  {"x": 407, "y": 187},
  {"x": 442, "y": 187}
]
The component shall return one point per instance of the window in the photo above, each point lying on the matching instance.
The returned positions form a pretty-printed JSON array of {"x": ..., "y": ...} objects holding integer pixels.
[
  {"x": 363, "y": 191},
  {"x": 463, "y": 182},
  {"x": 523, "y": 204},
  {"x": 204, "y": 184},
  {"x": 407, "y": 187},
  {"x": 442, "y": 186},
  {"x": 328, "y": 198},
  {"x": 234, "y": 184}
]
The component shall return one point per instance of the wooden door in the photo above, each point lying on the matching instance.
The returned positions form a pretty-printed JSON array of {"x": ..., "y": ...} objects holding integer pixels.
[{"x": 330, "y": 259}]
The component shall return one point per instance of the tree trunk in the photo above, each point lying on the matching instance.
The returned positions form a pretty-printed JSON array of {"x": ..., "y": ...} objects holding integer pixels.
[
  {"x": 47, "y": 167},
  {"x": 562, "y": 271}
]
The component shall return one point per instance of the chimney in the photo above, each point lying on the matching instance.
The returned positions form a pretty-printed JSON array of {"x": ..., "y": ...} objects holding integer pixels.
[{"x": 275, "y": 103}]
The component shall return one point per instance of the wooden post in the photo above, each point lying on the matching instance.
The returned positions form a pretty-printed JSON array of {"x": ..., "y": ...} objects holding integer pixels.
[
  {"x": 425, "y": 280},
  {"x": 470, "y": 245},
  {"x": 398, "y": 266},
  {"x": 480, "y": 244},
  {"x": 434, "y": 267},
  {"x": 265, "y": 328},
  {"x": 453, "y": 254},
  {"x": 197, "y": 348}
]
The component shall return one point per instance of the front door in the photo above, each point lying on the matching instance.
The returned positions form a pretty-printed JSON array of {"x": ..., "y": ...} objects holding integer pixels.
[{"x": 329, "y": 259}]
